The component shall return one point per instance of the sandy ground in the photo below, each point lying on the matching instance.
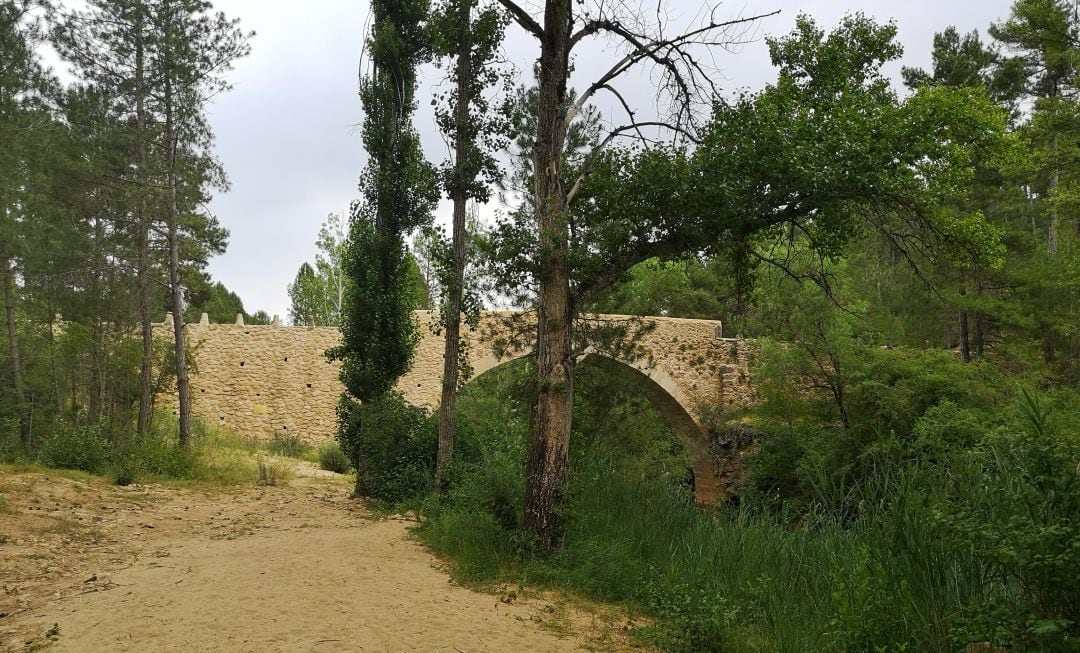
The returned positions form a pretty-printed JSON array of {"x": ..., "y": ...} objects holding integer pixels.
[{"x": 293, "y": 568}]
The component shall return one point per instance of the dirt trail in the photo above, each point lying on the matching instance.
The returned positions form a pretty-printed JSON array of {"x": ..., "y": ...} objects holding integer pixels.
[{"x": 294, "y": 568}]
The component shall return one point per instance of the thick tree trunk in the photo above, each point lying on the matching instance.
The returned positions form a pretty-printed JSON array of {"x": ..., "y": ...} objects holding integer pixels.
[
  {"x": 23, "y": 408},
  {"x": 146, "y": 368},
  {"x": 548, "y": 462},
  {"x": 452, "y": 312}
]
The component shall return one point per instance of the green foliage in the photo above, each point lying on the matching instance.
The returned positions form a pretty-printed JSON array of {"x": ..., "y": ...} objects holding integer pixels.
[
  {"x": 220, "y": 304},
  {"x": 391, "y": 444},
  {"x": 126, "y": 458},
  {"x": 1042, "y": 33},
  {"x": 684, "y": 288},
  {"x": 1021, "y": 520},
  {"x": 399, "y": 193},
  {"x": 84, "y": 448},
  {"x": 452, "y": 29},
  {"x": 928, "y": 553},
  {"x": 332, "y": 458},
  {"x": 317, "y": 293},
  {"x": 289, "y": 445},
  {"x": 808, "y": 145},
  {"x": 900, "y": 403}
]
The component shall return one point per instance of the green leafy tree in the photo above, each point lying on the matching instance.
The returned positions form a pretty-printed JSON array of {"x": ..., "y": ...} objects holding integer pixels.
[
  {"x": 309, "y": 298},
  {"x": 692, "y": 288},
  {"x": 398, "y": 194},
  {"x": 828, "y": 151},
  {"x": 318, "y": 292},
  {"x": 221, "y": 305},
  {"x": 554, "y": 189},
  {"x": 475, "y": 132}
]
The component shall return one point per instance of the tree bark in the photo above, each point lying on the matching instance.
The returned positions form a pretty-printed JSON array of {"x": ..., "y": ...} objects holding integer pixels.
[
  {"x": 93, "y": 399},
  {"x": 1055, "y": 181},
  {"x": 965, "y": 339},
  {"x": 452, "y": 313},
  {"x": 57, "y": 397},
  {"x": 183, "y": 390},
  {"x": 1047, "y": 333},
  {"x": 25, "y": 433},
  {"x": 146, "y": 368},
  {"x": 980, "y": 334},
  {"x": 547, "y": 467}
]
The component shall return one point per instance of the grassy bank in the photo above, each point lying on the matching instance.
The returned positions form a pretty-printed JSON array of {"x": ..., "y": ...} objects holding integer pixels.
[
  {"x": 216, "y": 458},
  {"x": 915, "y": 540}
]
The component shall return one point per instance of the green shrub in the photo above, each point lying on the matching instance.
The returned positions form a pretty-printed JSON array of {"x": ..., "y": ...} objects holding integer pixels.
[
  {"x": 392, "y": 444},
  {"x": 127, "y": 458},
  {"x": 288, "y": 444},
  {"x": 906, "y": 405},
  {"x": 332, "y": 458},
  {"x": 1019, "y": 514},
  {"x": 85, "y": 448}
]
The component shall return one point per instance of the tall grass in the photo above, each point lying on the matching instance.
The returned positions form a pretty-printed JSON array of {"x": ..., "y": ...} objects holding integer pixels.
[
  {"x": 127, "y": 458},
  {"x": 945, "y": 537},
  {"x": 918, "y": 557}
]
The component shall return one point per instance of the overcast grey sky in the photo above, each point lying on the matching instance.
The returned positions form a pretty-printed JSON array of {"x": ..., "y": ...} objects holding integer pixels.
[{"x": 285, "y": 132}]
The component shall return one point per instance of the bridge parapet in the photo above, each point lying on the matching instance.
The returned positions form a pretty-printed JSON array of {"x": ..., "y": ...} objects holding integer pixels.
[{"x": 262, "y": 380}]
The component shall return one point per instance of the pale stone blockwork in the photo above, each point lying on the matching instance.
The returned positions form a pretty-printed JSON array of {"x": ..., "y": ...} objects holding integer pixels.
[{"x": 262, "y": 380}]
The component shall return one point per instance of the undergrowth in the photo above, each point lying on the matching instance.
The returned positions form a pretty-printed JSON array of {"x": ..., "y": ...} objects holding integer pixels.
[
  {"x": 213, "y": 458},
  {"x": 922, "y": 545}
]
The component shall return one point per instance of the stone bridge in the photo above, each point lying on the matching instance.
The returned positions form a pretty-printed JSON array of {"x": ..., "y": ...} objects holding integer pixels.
[{"x": 262, "y": 380}]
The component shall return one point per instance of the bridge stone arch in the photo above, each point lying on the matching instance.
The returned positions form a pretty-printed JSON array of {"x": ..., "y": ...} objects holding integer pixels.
[
  {"x": 263, "y": 380},
  {"x": 663, "y": 393},
  {"x": 674, "y": 406}
]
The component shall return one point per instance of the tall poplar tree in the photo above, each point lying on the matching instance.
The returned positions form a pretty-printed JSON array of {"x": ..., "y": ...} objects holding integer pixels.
[
  {"x": 474, "y": 131},
  {"x": 398, "y": 193}
]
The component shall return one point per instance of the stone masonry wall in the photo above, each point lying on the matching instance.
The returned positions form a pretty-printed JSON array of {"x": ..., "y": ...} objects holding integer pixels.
[{"x": 265, "y": 380}]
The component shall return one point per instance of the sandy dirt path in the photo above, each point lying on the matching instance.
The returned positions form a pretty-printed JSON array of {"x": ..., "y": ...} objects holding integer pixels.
[{"x": 294, "y": 568}]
